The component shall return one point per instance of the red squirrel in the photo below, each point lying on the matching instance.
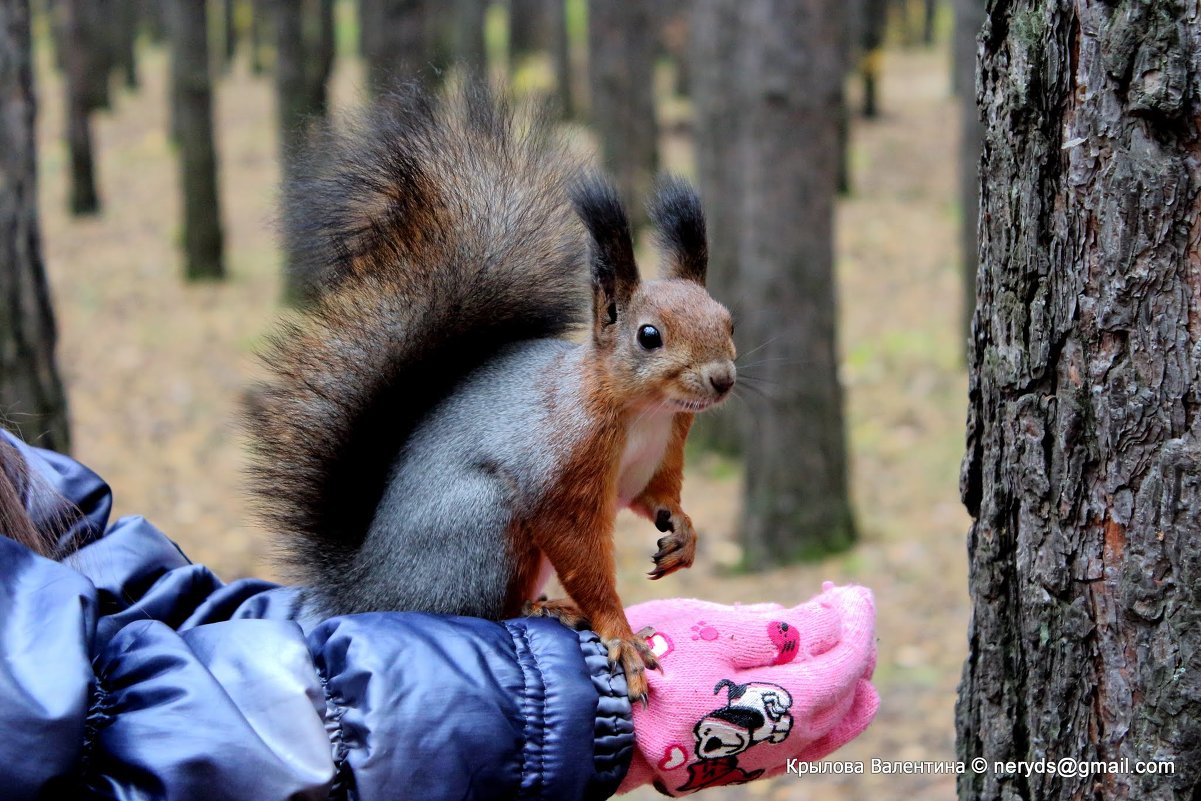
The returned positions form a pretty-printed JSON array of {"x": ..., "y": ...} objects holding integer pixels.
[{"x": 429, "y": 438}]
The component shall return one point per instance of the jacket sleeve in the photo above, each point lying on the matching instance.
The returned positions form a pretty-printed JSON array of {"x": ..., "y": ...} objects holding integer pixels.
[{"x": 128, "y": 672}]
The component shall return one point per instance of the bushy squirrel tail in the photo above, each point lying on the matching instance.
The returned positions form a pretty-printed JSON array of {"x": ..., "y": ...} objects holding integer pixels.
[{"x": 443, "y": 230}]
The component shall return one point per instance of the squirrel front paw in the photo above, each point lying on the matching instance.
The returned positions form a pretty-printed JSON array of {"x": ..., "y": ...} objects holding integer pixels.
[
  {"x": 678, "y": 548},
  {"x": 635, "y": 657}
]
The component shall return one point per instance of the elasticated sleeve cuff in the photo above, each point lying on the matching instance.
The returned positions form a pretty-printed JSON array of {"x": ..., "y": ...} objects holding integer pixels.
[{"x": 465, "y": 708}]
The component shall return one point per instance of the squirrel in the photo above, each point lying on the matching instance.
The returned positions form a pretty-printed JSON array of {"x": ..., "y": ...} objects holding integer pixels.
[{"x": 429, "y": 436}]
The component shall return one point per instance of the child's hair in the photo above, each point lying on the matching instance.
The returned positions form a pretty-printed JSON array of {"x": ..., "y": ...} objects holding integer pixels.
[
  {"x": 44, "y": 534},
  {"x": 14, "y": 522}
]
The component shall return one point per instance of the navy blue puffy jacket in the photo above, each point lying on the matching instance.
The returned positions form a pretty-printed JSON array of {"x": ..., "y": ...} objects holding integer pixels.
[{"x": 127, "y": 672}]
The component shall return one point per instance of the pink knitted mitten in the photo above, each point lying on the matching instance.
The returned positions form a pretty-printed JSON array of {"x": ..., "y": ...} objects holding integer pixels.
[{"x": 745, "y": 688}]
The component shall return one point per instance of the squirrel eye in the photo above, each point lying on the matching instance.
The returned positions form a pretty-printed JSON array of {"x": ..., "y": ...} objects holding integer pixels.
[{"x": 649, "y": 337}]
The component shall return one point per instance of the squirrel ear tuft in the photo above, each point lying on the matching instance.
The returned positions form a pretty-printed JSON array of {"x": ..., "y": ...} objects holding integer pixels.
[
  {"x": 614, "y": 271},
  {"x": 679, "y": 224}
]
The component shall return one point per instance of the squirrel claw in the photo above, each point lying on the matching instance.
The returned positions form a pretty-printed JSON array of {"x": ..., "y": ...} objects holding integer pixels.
[
  {"x": 676, "y": 550},
  {"x": 668, "y": 544},
  {"x": 635, "y": 657}
]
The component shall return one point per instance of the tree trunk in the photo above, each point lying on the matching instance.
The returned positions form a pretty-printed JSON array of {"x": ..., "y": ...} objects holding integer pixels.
[
  {"x": 441, "y": 35},
  {"x": 529, "y": 30},
  {"x": 127, "y": 40},
  {"x": 560, "y": 53},
  {"x": 969, "y": 16},
  {"x": 32, "y": 400},
  {"x": 675, "y": 22},
  {"x": 229, "y": 38},
  {"x": 929, "y": 17},
  {"x": 848, "y": 44},
  {"x": 292, "y": 114},
  {"x": 796, "y": 502},
  {"x": 197, "y": 157},
  {"x": 155, "y": 18},
  {"x": 470, "y": 48},
  {"x": 94, "y": 38},
  {"x": 871, "y": 31},
  {"x": 1083, "y": 466},
  {"x": 318, "y": 64},
  {"x": 394, "y": 41},
  {"x": 304, "y": 54},
  {"x": 291, "y": 90},
  {"x": 259, "y": 14},
  {"x": 715, "y": 43},
  {"x": 621, "y": 50},
  {"x": 75, "y": 49}
]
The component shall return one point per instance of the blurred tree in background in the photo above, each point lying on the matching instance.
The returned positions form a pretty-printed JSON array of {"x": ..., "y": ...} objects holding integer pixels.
[
  {"x": 969, "y": 16},
  {"x": 123, "y": 27},
  {"x": 229, "y": 33},
  {"x": 32, "y": 400},
  {"x": 718, "y": 129},
  {"x": 394, "y": 40},
  {"x": 621, "y": 52},
  {"x": 257, "y": 34},
  {"x": 78, "y": 49},
  {"x": 1083, "y": 470},
  {"x": 790, "y": 94},
  {"x": 193, "y": 102},
  {"x": 304, "y": 59},
  {"x": 873, "y": 23},
  {"x": 318, "y": 37},
  {"x": 470, "y": 46},
  {"x": 529, "y": 29}
]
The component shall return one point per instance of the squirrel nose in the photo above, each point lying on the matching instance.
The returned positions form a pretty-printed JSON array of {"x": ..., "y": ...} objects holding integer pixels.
[{"x": 722, "y": 381}]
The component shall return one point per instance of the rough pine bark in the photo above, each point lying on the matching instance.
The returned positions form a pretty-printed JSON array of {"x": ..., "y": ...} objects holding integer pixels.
[
  {"x": 32, "y": 400},
  {"x": 796, "y": 497},
  {"x": 969, "y": 16},
  {"x": 1083, "y": 465},
  {"x": 193, "y": 97},
  {"x": 621, "y": 52},
  {"x": 714, "y": 48}
]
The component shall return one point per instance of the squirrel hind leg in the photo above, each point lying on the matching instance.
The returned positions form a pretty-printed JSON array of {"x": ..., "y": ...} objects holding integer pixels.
[
  {"x": 563, "y": 610},
  {"x": 441, "y": 550}
]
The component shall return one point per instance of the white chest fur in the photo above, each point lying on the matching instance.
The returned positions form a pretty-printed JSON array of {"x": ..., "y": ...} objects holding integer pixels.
[{"x": 646, "y": 441}]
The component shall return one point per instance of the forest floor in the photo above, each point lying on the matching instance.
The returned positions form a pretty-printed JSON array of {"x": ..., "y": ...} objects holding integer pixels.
[{"x": 155, "y": 370}]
